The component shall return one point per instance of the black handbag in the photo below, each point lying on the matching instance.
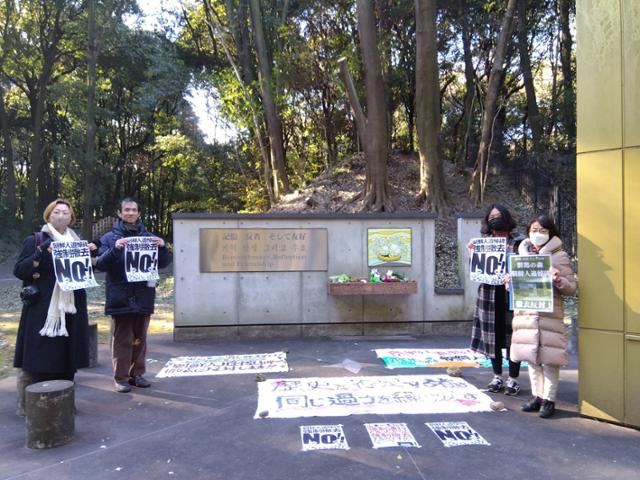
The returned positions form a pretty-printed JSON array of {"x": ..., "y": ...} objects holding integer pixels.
[{"x": 29, "y": 295}]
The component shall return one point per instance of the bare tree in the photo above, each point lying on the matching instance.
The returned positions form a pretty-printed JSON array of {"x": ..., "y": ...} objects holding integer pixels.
[
  {"x": 432, "y": 187},
  {"x": 89, "y": 161},
  {"x": 533, "y": 113},
  {"x": 470, "y": 85},
  {"x": 568, "y": 98},
  {"x": 11, "y": 199},
  {"x": 481, "y": 168},
  {"x": 372, "y": 129}
]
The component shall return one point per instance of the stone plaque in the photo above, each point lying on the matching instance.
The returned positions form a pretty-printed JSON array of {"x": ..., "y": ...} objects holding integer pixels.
[{"x": 263, "y": 249}]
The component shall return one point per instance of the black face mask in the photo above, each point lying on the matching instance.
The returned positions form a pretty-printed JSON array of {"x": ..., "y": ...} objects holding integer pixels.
[{"x": 498, "y": 225}]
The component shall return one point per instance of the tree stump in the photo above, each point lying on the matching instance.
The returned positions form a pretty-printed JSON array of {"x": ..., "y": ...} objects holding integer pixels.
[
  {"x": 49, "y": 408},
  {"x": 23, "y": 380},
  {"x": 93, "y": 345}
]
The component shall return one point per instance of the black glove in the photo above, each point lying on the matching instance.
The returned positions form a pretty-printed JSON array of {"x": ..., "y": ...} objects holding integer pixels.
[{"x": 40, "y": 249}]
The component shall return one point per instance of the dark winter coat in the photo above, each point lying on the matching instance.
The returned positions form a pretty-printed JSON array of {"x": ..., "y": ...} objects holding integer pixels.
[
  {"x": 124, "y": 298},
  {"x": 38, "y": 354},
  {"x": 483, "y": 334}
]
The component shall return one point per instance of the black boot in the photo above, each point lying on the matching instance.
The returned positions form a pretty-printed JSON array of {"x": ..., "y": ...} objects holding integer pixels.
[
  {"x": 548, "y": 409},
  {"x": 532, "y": 405}
]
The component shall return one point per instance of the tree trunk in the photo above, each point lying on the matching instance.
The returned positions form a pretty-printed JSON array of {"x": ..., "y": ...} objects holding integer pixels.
[
  {"x": 274, "y": 124},
  {"x": 37, "y": 158},
  {"x": 481, "y": 168},
  {"x": 568, "y": 98},
  {"x": 533, "y": 113},
  {"x": 237, "y": 14},
  {"x": 89, "y": 164},
  {"x": 432, "y": 187},
  {"x": 470, "y": 88},
  {"x": 376, "y": 134},
  {"x": 11, "y": 202}
]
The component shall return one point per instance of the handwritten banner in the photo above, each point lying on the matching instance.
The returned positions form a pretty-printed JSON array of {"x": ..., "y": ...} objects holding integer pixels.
[
  {"x": 455, "y": 434},
  {"x": 488, "y": 260},
  {"x": 390, "y": 435},
  {"x": 339, "y": 396},
  {"x": 323, "y": 437},
  {"x": 72, "y": 265},
  {"x": 225, "y": 365},
  {"x": 141, "y": 259},
  {"x": 433, "y": 358}
]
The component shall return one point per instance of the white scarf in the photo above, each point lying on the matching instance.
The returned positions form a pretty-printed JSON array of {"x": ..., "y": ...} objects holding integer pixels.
[{"x": 61, "y": 302}]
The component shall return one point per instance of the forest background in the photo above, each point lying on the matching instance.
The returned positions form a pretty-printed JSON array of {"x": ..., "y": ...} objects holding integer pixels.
[{"x": 471, "y": 93}]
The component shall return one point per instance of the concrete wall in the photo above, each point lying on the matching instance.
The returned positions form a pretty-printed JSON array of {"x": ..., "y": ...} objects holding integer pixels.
[{"x": 297, "y": 303}]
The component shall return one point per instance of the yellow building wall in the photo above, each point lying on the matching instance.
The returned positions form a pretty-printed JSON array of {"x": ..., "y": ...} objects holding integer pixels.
[{"x": 608, "y": 180}]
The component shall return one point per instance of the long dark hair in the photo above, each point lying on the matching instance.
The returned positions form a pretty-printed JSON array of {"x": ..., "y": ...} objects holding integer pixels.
[
  {"x": 545, "y": 222},
  {"x": 506, "y": 216}
]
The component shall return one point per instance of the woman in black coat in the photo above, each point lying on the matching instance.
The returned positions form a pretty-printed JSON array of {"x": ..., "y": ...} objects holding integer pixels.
[{"x": 53, "y": 336}]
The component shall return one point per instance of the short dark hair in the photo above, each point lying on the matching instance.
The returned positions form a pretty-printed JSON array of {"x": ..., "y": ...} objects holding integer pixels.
[
  {"x": 128, "y": 200},
  {"x": 506, "y": 216},
  {"x": 545, "y": 221}
]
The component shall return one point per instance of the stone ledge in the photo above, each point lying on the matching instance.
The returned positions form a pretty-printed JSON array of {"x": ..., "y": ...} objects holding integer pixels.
[
  {"x": 384, "y": 288},
  {"x": 462, "y": 327}
]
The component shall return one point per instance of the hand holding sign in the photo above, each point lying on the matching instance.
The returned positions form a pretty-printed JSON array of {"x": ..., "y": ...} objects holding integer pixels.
[
  {"x": 72, "y": 265},
  {"x": 140, "y": 258},
  {"x": 488, "y": 260}
]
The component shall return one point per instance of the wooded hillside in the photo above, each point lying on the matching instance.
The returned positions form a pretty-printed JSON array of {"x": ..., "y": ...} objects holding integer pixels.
[{"x": 93, "y": 108}]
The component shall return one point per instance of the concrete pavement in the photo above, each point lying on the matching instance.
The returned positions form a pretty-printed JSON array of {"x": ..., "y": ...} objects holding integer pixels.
[{"x": 203, "y": 427}]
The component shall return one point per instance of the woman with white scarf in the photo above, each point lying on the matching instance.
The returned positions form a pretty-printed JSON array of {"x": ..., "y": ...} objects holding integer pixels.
[{"x": 53, "y": 339}]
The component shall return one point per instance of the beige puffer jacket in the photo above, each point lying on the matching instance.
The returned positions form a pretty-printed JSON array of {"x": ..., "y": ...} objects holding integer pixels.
[{"x": 539, "y": 337}]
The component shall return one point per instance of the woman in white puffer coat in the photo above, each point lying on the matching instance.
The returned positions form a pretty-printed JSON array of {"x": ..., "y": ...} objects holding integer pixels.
[{"x": 539, "y": 338}]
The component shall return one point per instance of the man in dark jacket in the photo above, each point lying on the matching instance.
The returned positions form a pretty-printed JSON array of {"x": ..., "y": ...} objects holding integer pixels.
[{"x": 129, "y": 303}]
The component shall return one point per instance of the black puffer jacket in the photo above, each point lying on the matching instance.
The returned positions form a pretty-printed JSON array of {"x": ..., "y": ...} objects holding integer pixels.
[{"x": 125, "y": 298}]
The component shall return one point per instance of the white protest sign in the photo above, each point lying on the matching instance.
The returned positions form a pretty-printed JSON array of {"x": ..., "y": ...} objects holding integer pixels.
[
  {"x": 390, "y": 435},
  {"x": 323, "y": 437},
  {"x": 225, "y": 365},
  {"x": 339, "y": 396},
  {"x": 455, "y": 434},
  {"x": 72, "y": 265},
  {"x": 141, "y": 259},
  {"x": 488, "y": 260}
]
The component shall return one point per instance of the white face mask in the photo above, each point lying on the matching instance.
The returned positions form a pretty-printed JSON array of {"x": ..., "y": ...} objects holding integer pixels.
[{"x": 538, "y": 238}]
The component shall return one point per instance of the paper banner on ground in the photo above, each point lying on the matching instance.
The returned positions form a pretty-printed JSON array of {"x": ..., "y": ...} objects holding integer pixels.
[
  {"x": 455, "y": 434},
  {"x": 432, "y": 357},
  {"x": 323, "y": 437},
  {"x": 531, "y": 287},
  {"x": 141, "y": 259},
  {"x": 488, "y": 260},
  {"x": 340, "y": 396},
  {"x": 225, "y": 365},
  {"x": 390, "y": 435},
  {"x": 72, "y": 265}
]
